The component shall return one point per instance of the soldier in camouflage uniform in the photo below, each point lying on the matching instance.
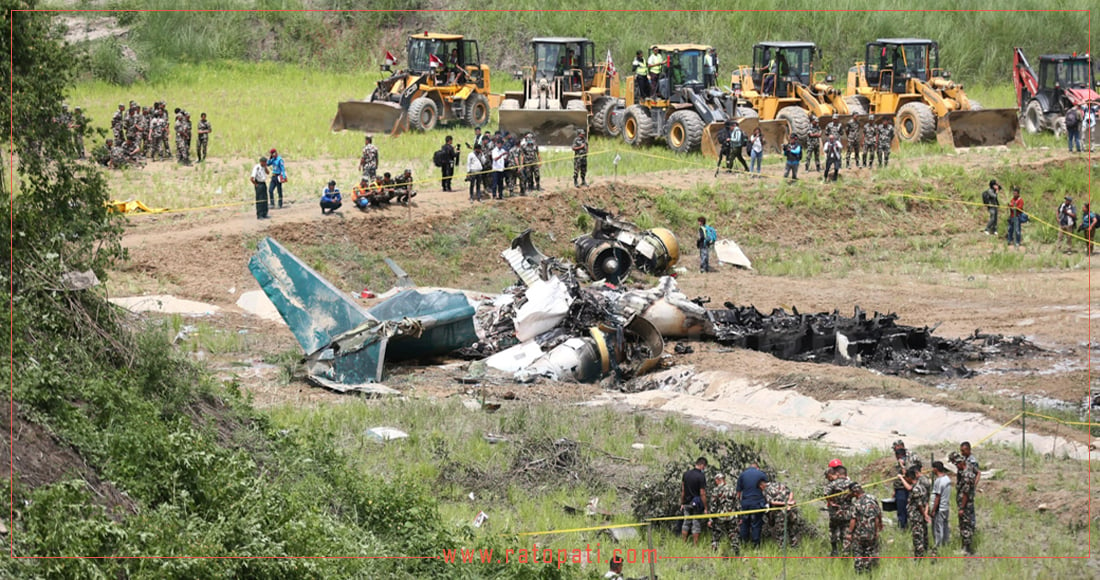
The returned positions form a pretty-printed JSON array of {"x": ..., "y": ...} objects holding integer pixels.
[
  {"x": 183, "y": 151},
  {"x": 131, "y": 150},
  {"x": 851, "y": 132},
  {"x": 204, "y": 137},
  {"x": 964, "y": 498},
  {"x": 870, "y": 142},
  {"x": 117, "y": 155},
  {"x": 512, "y": 164},
  {"x": 834, "y": 128},
  {"x": 885, "y": 138},
  {"x": 920, "y": 489},
  {"x": 812, "y": 146},
  {"x": 187, "y": 134},
  {"x": 145, "y": 117},
  {"x": 165, "y": 128},
  {"x": 117, "y": 130},
  {"x": 531, "y": 159},
  {"x": 368, "y": 160},
  {"x": 782, "y": 522},
  {"x": 840, "y": 509},
  {"x": 864, "y": 529},
  {"x": 580, "y": 159},
  {"x": 130, "y": 122},
  {"x": 724, "y": 501}
]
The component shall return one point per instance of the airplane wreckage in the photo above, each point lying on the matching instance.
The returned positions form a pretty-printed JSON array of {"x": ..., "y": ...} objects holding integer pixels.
[{"x": 579, "y": 322}]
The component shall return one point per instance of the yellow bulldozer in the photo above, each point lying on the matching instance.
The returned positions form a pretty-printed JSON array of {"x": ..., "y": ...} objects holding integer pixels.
[
  {"x": 782, "y": 88},
  {"x": 563, "y": 89},
  {"x": 443, "y": 82},
  {"x": 902, "y": 77}
]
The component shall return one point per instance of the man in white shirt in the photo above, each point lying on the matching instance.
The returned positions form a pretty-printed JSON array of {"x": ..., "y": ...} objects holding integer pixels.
[
  {"x": 832, "y": 150},
  {"x": 940, "y": 506},
  {"x": 499, "y": 155},
  {"x": 258, "y": 178},
  {"x": 473, "y": 171}
]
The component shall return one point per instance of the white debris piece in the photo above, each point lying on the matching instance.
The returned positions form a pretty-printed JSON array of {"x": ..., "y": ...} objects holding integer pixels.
[
  {"x": 515, "y": 358},
  {"x": 729, "y": 252},
  {"x": 547, "y": 304},
  {"x": 386, "y": 433}
]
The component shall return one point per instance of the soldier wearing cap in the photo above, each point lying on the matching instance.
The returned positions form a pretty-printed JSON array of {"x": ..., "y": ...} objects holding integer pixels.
[
  {"x": 403, "y": 187},
  {"x": 870, "y": 142},
  {"x": 580, "y": 159},
  {"x": 885, "y": 139},
  {"x": 368, "y": 160},
  {"x": 851, "y": 133},
  {"x": 839, "y": 504},
  {"x": 724, "y": 501},
  {"x": 813, "y": 144},
  {"x": 117, "y": 124},
  {"x": 204, "y": 137},
  {"x": 903, "y": 460},
  {"x": 965, "y": 487},
  {"x": 864, "y": 528}
]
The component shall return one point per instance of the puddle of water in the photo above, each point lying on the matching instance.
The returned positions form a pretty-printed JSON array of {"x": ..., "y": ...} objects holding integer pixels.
[
  {"x": 865, "y": 425},
  {"x": 165, "y": 304}
]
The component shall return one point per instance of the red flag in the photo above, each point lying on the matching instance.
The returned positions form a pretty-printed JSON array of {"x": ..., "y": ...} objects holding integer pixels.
[
  {"x": 434, "y": 61},
  {"x": 610, "y": 65},
  {"x": 390, "y": 59}
]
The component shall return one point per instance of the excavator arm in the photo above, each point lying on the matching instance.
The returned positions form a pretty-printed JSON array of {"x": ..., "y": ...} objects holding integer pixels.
[{"x": 1024, "y": 77}]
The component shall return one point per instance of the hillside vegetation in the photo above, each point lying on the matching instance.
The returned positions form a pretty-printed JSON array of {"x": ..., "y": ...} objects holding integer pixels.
[{"x": 975, "y": 46}]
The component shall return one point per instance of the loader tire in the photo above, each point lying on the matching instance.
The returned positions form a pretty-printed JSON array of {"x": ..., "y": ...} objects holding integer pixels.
[
  {"x": 477, "y": 110},
  {"x": 856, "y": 105},
  {"x": 745, "y": 113},
  {"x": 423, "y": 114},
  {"x": 509, "y": 105},
  {"x": 685, "y": 131},
  {"x": 1034, "y": 119},
  {"x": 638, "y": 126},
  {"x": 601, "y": 116},
  {"x": 797, "y": 120},
  {"x": 915, "y": 123}
]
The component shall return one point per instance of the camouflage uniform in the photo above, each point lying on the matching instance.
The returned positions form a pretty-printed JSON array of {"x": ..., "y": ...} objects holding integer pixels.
[
  {"x": 885, "y": 138},
  {"x": 531, "y": 164},
  {"x": 967, "y": 520},
  {"x": 512, "y": 170},
  {"x": 142, "y": 125},
  {"x": 840, "y": 512},
  {"x": 777, "y": 493},
  {"x": 118, "y": 133},
  {"x": 164, "y": 129},
  {"x": 918, "y": 501},
  {"x": 129, "y": 125},
  {"x": 131, "y": 150},
  {"x": 204, "y": 139},
  {"x": 118, "y": 157},
  {"x": 813, "y": 144},
  {"x": 866, "y": 513},
  {"x": 580, "y": 159},
  {"x": 183, "y": 151},
  {"x": 870, "y": 143},
  {"x": 724, "y": 501},
  {"x": 834, "y": 128},
  {"x": 187, "y": 135},
  {"x": 851, "y": 132},
  {"x": 369, "y": 161}
]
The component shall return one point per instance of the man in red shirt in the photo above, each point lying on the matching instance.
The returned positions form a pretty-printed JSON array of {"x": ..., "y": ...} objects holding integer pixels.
[{"x": 1015, "y": 217}]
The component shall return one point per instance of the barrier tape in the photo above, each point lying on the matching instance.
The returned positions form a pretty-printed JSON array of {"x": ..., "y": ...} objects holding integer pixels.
[
  {"x": 998, "y": 430},
  {"x": 1064, "y": 422}
]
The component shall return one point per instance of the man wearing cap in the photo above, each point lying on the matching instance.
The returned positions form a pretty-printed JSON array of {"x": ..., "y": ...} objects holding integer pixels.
[
  {"x": 783, "y": 522},
  {"x": 693, "y": 499},
  {"x": 204, "y": 137},
  {"x": 450, "y": 158},
  {"x": 580, "y": 158},
  {"x": 839, "y": 503},
  {"x": 992, "y": 204},
  {"x": 403, "y": 187},
  {"x": 870, "y": 141},
  {"x": 330, "y": 198},
  {"x": 368, "y": 160},
  {"x": 851, "y": 133},
  {"x": 531, "y": 176},
  {"x": 278, "y": 177},
  {"x": 966, "y": 475},
  {"x": 259, "y": 183},
  {"x": 117, "y": 122},
  {"x": 903, "y": 460},
  {"x": 813, "y": 144},
  {"x": 1067, "y": 222},
  {"x": 885, "y": 140},
  {"x": 864, "y": 528},
  {"x": 183, "y": 143},
  {"x": 919, "y": 517},
  {"x": 724, "y": 501},
  {"x": 751, "y": 498}
]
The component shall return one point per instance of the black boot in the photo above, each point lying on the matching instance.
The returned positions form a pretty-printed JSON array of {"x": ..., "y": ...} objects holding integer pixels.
[
  {"x": 834, "y": 552},
  {"x": 575, "y": 181}
]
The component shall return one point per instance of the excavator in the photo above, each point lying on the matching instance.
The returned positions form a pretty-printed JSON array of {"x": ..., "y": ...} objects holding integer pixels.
[
  {"x": 783, "y": 87},
  {"x": 1064, "y": 81},
  {"x": 562, "y": 90},
  {"x": 902, "y": 77},
  {"x": 445, "y": 81}
]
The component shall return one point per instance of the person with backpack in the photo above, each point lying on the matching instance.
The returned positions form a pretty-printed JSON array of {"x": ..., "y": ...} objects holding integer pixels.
[
  {"x": 445, "y": 159},
  {"x": 738, "y": 140},
  {"x": 793, "y": 152},
  {"x": 1089, "y": 220},
  {"x": 707, "y": 236},
  {"x": 1073, "y": 128},
  {"x": 1067, "y": 222}
]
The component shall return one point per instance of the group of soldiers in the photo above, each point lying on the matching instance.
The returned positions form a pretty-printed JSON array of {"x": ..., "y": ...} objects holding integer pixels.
[
  {"x": 872, "y": 139},
  {"x": 76, "y": 123},
  {"x": 522, "y": 160},
  {"x": 784, "y": 523},
  {"x": 383, "y": 189},
  {"x": 140, "y": 133}
]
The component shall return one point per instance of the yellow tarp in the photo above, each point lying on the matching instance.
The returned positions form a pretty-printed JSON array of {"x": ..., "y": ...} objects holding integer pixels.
[{"x": 132, "y": 206}]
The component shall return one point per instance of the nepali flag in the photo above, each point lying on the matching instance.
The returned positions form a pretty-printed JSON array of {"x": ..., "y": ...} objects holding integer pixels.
[
  {"x": 610, "y": 65},
  {"x": 434, "y": 61},
  {"x": 390, "y": 59}
]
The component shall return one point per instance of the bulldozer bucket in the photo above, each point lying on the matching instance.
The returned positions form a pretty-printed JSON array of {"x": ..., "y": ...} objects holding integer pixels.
[
  {"x": 775, "y": 134},
  {"x": 367, "y": 116},
  {"x": 555, "y": 128},
  {"x": 983, "y": 128}
]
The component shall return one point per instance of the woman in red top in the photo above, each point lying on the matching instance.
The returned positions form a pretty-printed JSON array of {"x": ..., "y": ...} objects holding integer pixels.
[{"x": 1015, "y": 211}]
